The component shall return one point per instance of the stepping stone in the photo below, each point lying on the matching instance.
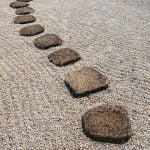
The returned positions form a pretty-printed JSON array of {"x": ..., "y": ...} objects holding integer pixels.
[
  {"x": 85, "y": 81},
  {"x": 107, "y": 124},
  {"x": 24, "y": 19},
  {"x": 47, "y": 41},
  {"x": 31, "y": 30},
  {"x": 64, "y": 57},
  {"x": 24, "y": 11},
  {"x": 18, "y": 4},
  {"x": 25, "y": 0}
]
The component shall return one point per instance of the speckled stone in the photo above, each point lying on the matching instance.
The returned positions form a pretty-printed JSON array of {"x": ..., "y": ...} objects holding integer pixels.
[
  {"x": 18, "y": 4},
  {"x": 47, "y": 41},
  {"x": 64, "y": 57},
  {"x": 107, "y": 124},
  {"x": 24, "y": 11},
  {"x": 85, "y": 81},
  {"x": 24, "y": 19},
  {"x": 31, "y": 30}
]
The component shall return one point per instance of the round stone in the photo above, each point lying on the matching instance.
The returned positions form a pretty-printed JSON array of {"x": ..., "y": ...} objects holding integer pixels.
[
  {"x": 107, "y": 124},
  {"x": 24, "y": 19},
  {"x": 31, "y": 30},
  {"x": 18, "y": 4},
  {"x": 47, "y": 41},
  {"x": 24, "y": 11},
  {"x": 25, "y": 0}
]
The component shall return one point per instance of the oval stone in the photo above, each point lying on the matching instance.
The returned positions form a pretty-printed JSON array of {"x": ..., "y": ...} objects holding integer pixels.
[
  {"x": 18, "y": 4},
  {"x": 31, "y": 30},
  {"x": 107, "y": 124},
  {"x": 24, "y": 19},
  {"x": 47, "y": 41},
  {"x": 24, "y": 11}
]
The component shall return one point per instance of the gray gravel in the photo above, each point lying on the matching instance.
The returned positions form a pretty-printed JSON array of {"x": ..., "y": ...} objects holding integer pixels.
[{"x": 36, "y": 109}]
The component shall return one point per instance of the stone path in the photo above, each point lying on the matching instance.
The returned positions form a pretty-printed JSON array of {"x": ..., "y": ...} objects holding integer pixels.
[
  {"x": 80, "y": 83},
  {"x": 109, "y": 123}
]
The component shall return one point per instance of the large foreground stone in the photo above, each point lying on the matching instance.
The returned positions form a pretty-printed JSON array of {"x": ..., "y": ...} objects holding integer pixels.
[
  {"x": 18, "y": 4},
  {"x": 64, "y": 57},
  {"x": 85, "y": 81},
  {"x": 25, "y": 0},
  {"x": 107, "y": 124},
  {"x": 24, "y": 11},
  {"x": 24, "y": 19},
  {"x": 47, "y": 41},
  {"x": 31, "y": 30}
]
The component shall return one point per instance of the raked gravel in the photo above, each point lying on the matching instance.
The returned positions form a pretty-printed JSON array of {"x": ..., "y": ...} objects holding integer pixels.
[{"x": 36, "y": 109}]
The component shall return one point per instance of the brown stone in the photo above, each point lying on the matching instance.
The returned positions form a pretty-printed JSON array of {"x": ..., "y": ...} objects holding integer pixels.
[
  {"x": 31, "y": 30},
  {"x": 107, "y": 124},
  {"x": 47, "y": 41},
  {"x": 24, "y": 19},
  {"x": 24, "y": 11},
  {"x": 18, "y": 4},
  {"x": 25, "y": 0},
  {"x": 85, "y": 81},
  {"x": 64, "y": 57}
]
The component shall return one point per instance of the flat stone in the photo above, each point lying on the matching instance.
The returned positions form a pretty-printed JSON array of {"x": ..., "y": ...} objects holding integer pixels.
[
  {"x": 107, "y": 124},
  {"x": 24, "y": 11},
  {"x": 31, "y": 30},
  {"x": 24, "y": 19},
  {"x": 85, "y": 81},
  {"x": 18, "y": 4},
  {"x": 47, "y": 41},
  {"x": 25, "y": 0},
  {"x": 64, "y": 57}
]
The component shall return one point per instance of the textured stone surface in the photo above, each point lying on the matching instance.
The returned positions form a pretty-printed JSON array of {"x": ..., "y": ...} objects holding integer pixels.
[
  {"x": 107, "y": 124},
  {"x": 24, "y": 19},
  {"x": 31, "y": 30},
  {"x": 85, "y": 81},
  {"x": 47, "y": 41},
  {"x": 24, "y": 11},
  {"x": 18, "y": 4},
  {"x": 64, "y": 57},
  {"x": 25, "y": 0}
]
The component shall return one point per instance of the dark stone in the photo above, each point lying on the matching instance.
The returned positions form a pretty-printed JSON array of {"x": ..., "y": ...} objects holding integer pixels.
[
  {"x": 64, "y": 57},
  {"x": 25, "y": 0},
  {"x": 18, "y": 4},
  {"x": 47, "y": 41},
  {"x": 85, "y": 81},
  {"x": 31, "y": 30},
  {"x": 107, "y": 124},
  {"x": 24, "y": 11},
  {"x": 24, "y": 19}
]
